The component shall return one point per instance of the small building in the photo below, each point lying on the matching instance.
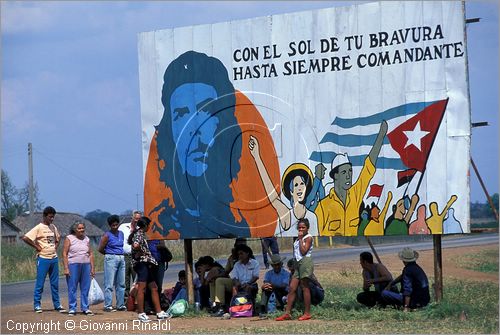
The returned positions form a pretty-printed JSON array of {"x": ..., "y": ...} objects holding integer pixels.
[
  {"x": 10, "y": 233},
  {"x": 63, "y": 222}
]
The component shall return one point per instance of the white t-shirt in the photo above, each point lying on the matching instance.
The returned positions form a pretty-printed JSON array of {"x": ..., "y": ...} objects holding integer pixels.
[
  {"x": 245, "y": 272},
  {"x": 125, "y": 229},
  {"x": 296, "y": 248}
]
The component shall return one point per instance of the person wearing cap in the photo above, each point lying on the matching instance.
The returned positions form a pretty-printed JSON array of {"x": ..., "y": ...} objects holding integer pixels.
[
  {"x": 338, "y": 212},
  {"x": 296, "y": 183},
  {"x": 275, "y": 281},
  {"x": 414, "y": 284}
]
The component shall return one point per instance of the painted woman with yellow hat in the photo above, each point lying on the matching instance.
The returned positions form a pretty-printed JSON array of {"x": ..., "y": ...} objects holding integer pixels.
[{"x": 296, "y": 184}]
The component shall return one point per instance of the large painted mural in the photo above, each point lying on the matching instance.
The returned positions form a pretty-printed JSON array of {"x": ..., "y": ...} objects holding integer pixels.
[{"x": 356, "y": 118}]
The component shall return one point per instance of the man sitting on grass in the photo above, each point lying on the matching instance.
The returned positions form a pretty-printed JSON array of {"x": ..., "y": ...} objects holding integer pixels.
[
  {"x": 275, "y": 282},
  {"x": 375, "y": 274},
  {"x": 414, "y": 284}
]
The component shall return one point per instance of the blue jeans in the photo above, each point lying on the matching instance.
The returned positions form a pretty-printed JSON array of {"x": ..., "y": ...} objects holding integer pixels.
[
  {"x": 79, "y": 273},
  {"x": 114, "y": 277},
  {"x": 392, "y": 298},
  {"x": 182, "y": 294},
  {"x": 44, "y": 266}
]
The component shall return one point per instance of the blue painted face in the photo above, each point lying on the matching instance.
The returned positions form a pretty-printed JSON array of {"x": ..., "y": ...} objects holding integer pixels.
[{"x": 193, "y": 125}]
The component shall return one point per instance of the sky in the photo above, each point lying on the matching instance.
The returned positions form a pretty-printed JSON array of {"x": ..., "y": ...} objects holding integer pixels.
[{"x": 70, "y": 86}]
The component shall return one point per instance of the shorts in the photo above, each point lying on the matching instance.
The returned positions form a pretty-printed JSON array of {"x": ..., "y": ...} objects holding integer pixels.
[
  {"x": 304, "y": 269},
  {"x": 146, "y": 272}
]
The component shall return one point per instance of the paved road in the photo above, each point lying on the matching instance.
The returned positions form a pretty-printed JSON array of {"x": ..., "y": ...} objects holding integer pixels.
[{"x": 22, "y": 292}]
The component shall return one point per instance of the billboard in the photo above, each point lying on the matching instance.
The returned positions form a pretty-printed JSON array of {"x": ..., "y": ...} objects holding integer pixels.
[{"x": 354, "y": 118}]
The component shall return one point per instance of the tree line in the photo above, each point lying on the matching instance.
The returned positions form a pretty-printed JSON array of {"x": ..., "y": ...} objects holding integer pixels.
[{"x": 15, "y": 202}]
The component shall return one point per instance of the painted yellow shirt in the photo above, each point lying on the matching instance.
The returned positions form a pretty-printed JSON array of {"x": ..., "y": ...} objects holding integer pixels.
[{"x": 333, "y": 217}]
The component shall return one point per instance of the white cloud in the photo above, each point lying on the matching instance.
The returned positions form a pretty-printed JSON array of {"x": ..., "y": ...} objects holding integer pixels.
[{"x": 22, "y": 17}]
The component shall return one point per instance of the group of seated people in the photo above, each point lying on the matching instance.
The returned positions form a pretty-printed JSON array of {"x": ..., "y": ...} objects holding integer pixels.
[
  {"x": 414, "y": 291},
  {"x": 215, "y": 285}
]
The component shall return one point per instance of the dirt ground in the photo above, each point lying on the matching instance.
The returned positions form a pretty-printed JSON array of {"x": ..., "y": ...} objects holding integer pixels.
[{"x": 21, "y": 318}]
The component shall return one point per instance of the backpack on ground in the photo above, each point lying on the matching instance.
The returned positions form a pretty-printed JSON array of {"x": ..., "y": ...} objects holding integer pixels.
[{"x": 241, "y": 306}]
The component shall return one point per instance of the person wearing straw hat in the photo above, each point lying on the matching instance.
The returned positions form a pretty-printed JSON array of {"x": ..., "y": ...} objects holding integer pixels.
[
  {"x": 296, "y": 184},
  {"x": 275, "y": 281},
  {"x": 338, "y": 212},
  {"x": 414, "y": 284}
]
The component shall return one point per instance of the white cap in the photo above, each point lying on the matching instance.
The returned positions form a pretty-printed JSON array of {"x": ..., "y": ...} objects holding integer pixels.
[{"x": 339, "y": 160}]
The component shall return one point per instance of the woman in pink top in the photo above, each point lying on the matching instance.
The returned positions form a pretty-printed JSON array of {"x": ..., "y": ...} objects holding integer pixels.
[{"x": 78, "y": 261}]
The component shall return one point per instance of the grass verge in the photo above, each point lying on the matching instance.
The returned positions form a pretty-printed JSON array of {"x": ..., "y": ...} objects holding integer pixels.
[{"x": 483, "y": 261}]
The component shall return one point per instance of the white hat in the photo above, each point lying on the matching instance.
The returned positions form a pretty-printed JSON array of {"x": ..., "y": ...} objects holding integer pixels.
[
  {"x": 340, "y": 159},
  {"x": 408, "y": 255}
]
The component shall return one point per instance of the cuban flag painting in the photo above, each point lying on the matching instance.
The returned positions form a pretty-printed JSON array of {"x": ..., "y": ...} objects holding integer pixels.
[{"x": 396, "y": 189}]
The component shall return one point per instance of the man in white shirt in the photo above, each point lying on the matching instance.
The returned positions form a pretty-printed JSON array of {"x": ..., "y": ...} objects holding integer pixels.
[
  {"x": 245, "y": 272},
  {"x": 128, "y": 228}
]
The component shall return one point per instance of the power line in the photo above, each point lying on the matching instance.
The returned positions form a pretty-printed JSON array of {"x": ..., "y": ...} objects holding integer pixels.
[{"x": 80, "y": 178}]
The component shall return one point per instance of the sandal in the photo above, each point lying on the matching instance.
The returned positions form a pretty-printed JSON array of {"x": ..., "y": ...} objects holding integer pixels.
[
  {"x": 284, "y": 317},
  {"x": 305, "y": 317}
]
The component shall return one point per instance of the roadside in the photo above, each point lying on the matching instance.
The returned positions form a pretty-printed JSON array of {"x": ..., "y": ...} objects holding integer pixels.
[{"x": 103, "y": 322}]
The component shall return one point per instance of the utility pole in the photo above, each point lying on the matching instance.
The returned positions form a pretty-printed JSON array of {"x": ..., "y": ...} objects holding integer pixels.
[{"x": 30, "y": 178}]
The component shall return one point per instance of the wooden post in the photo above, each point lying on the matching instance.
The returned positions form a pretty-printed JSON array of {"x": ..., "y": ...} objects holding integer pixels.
[
  {"x": 438, "y": 268},
  {"x": 373, "y": 249},
  {"x": 316, "y": 241},
  {"x": 188, "y": 261}
]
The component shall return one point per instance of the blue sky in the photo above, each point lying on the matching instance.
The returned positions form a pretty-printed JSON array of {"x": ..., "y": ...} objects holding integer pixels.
[{"x": 70, "y": 86}]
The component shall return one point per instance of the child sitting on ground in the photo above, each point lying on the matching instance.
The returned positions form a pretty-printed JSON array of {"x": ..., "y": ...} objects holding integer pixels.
[{"x": 180, "y": 291}]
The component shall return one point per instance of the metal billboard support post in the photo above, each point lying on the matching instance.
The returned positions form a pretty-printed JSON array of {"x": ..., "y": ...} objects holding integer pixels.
[
  {"x": 438, "y": 268},
  {"x": 484, "y": 189},
  {"x": 373, "y": 249},
  {"x": 188, "y": 262}
]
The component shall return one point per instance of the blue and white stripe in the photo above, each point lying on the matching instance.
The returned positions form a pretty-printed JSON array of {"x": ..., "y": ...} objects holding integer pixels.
[{"x": 356, "y": 136}]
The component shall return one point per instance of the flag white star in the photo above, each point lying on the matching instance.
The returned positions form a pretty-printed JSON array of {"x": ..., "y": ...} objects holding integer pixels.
[{"x": 415, "y": 136}]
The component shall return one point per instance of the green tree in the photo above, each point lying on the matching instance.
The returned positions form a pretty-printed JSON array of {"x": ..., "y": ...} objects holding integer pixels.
[
  {"x": 99, "y": 218},
  {"x": 9, "y": 196},
  {"x": 16, "y": 201}
]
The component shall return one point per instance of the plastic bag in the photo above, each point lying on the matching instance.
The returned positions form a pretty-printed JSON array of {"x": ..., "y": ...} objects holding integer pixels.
[
  {"x": 271, "y": 305},
  {"x": 178, "y": 307},
  {"x": 96, "y": 296}
]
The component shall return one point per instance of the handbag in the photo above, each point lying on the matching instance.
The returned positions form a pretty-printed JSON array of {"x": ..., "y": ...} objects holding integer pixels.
[
  {"x": 96, "y": 296},
  {"x": 165, "y": 255}
]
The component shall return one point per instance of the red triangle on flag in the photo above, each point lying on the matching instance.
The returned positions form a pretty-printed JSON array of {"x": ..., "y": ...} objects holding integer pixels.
[{"x": 413, "y": 139}]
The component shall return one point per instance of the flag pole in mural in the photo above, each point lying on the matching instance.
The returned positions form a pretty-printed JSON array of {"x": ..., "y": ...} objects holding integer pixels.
[
  {"x": 249, "y": 126},
  {"x": 414, "y": 138}
]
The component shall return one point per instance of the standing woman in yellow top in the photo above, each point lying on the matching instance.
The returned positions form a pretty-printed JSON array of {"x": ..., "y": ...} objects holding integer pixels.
[{"x": 302, "y": 249}]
